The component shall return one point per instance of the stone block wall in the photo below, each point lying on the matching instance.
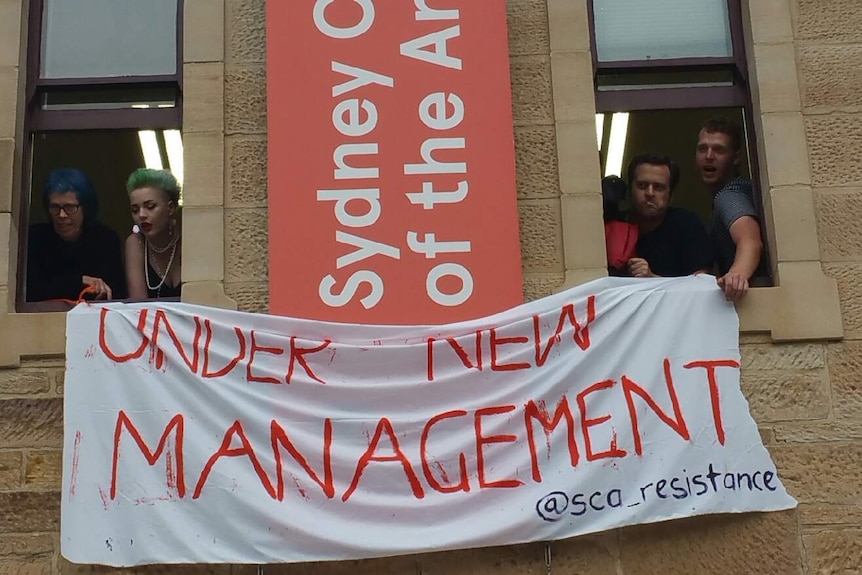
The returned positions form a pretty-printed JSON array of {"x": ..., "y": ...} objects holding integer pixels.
[{"x": 806, "y": 396}]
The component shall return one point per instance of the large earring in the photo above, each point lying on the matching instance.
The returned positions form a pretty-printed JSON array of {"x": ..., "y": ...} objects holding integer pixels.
[{"x": 171, "y": 226}]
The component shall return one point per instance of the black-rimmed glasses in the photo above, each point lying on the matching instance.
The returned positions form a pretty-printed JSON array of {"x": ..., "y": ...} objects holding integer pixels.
[{"x": 69, "y": 209}]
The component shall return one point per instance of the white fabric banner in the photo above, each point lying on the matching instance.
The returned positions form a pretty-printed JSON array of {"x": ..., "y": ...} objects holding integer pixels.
[{"x": 203, "y": 436}]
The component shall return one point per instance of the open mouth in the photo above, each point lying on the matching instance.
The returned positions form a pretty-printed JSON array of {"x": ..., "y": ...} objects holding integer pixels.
[{"x": 146, "y": 227}]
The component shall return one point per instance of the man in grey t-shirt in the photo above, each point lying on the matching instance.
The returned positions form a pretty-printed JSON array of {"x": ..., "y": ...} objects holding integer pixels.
[{"x": 735, "y": 229}]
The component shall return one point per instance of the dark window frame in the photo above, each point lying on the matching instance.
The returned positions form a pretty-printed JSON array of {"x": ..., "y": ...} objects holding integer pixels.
[
  {"x": 38, "y": 120},
  {"x": 738, "y": 95}
]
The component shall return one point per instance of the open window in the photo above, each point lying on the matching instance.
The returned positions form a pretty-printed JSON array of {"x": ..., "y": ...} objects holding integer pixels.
[
  {"x": 104, "y": 95},
  {"x": 662, "y": 68}
]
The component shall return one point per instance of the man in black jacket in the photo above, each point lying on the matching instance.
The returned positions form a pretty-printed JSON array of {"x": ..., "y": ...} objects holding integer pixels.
[{"x": 672, "y": 241}]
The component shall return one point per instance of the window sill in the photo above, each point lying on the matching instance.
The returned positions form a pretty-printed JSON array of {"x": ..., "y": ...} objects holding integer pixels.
[
  {"x": 62, "y": 306},
  {"x": 39, "y": 328},
  {"x": 803, "y": 305}
]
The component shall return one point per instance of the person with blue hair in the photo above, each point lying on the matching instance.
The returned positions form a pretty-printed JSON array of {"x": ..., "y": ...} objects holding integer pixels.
[{"x": 73, "y": 251}]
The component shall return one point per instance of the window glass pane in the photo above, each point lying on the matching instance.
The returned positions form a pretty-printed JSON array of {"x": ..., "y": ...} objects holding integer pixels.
[
  {"x": 109, "y": 38},
  {"x": 109, "y": 99},
  {"x": 661, "y": 29},
  {"x": 653, "y": 80}
]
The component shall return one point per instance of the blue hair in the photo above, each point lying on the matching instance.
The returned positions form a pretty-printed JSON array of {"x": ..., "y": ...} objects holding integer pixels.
[{"x": 72, "y": 180}]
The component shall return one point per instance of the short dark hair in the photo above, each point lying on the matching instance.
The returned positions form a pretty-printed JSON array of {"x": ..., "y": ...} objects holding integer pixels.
[
  {"x": 726, "y": 126},
  {"x": 654, "y": 160},
  {"x": 65, "y": 180}
]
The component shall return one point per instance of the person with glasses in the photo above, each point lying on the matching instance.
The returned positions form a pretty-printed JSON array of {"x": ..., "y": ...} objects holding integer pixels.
[{"x": 73, "y": 251}]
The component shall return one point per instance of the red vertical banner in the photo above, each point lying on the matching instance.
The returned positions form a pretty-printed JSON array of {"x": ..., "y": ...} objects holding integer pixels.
[{"x": 391, "y": 161}]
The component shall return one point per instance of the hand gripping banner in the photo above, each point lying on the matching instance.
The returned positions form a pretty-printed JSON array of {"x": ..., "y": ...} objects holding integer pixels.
[{"x": 197, "y": 435}]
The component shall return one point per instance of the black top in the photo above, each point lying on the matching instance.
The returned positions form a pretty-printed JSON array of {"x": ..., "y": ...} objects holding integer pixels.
[
  {"x": 55, "y": 267},
  {"x": 165, "y": 291},
  {"x": 680, "y": 245}
]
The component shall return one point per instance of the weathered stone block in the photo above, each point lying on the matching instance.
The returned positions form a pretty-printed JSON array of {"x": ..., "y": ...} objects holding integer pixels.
[
  {"x": 247, "y": 250},
  {"x": 10, "y": 32},
  {"x": 833, "y": 21},
  {"x": 539, "y": 285},
  {"x": 26, "y": 554},
  {"x": 203, "y": 244},
  {"x": 245, "y": 99},
  {"x": 578, "y": 159},
  {"x": 777, "y": 81},
  {"x": 569, "y": 25},
  {"x": 44, "y": 470},
  {"x": 839, "y": 228},
  {"x": 532, "y": 100},
  {"x": 795, "y": 222},
  {"x": 820, "y": 472},
  {"x": 831, "y": 77},
  {"x": 8, "y": 100},
  {"x": 834, "y": 552},
  {"x": 849, "y": 278},
  {"x": 819, "y": 431},
  {"x": 770, "y": 21},
  {"x": 587, "y": 555},
  {"x": 203, "y": 91},
  {"x": 24, "y": 381},
  {"x": 528, "y": 27},
  {"x": 8, "y": 235},
  {"x": 536, "y": 162},
  {"x": 574, "y": 98},
  {"x": 583, "y": 232},
  {"x": 384, "y": 566},
  {"x": 11, "y": 463},
  {"x": 754, "y": 544},
  {"x": 541, "y": 235},
  {"x": 203, "y": 183},
  {"x": 246, "y": 31},
  {"x": 7, "y": 161},
  {"x": 781, "y": 395},
  {"x": 831, "y": 514},
  {"x": 784, "y": 356},
  {"x": 39, "y": 567},
  {"x": 246, "y": 172},
  {"x": 202, "y": 42},
  {"x": 835, "y": 149},
  {"x": 787, "y": 162},
  {"x": 31, "y": 423},
  {"x": 26, "y": 546},
  {"x": 67, "y": 568},
  {"x": 521, "y": 559},
  {"x": 249, "y": 296},
  {"x": 845, "y": 369},
  {"x": 29, "y": 511}
]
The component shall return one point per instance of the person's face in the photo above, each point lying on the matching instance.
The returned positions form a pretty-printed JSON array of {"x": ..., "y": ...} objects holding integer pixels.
[
  {"x": 651, "y": 191},
  {"x": 67, "y": 215},
  {"x": 152, "y": 211},
  {"x": 715, "y": 158}
]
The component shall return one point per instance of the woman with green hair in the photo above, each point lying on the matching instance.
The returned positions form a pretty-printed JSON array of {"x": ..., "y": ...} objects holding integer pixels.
[{"x": 153, "y": 250}]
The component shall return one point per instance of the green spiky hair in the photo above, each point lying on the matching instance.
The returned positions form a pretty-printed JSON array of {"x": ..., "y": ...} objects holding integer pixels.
[{"x": 160, "y": 179}]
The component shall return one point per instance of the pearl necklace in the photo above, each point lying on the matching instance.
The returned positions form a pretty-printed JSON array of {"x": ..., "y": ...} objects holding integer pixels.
[
  {"x": 157, "y": 288},
  {"x": 169, "y": 245}
]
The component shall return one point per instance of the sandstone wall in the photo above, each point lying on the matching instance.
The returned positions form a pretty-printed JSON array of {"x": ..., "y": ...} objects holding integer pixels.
[{"x": 805, "y": 396}]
